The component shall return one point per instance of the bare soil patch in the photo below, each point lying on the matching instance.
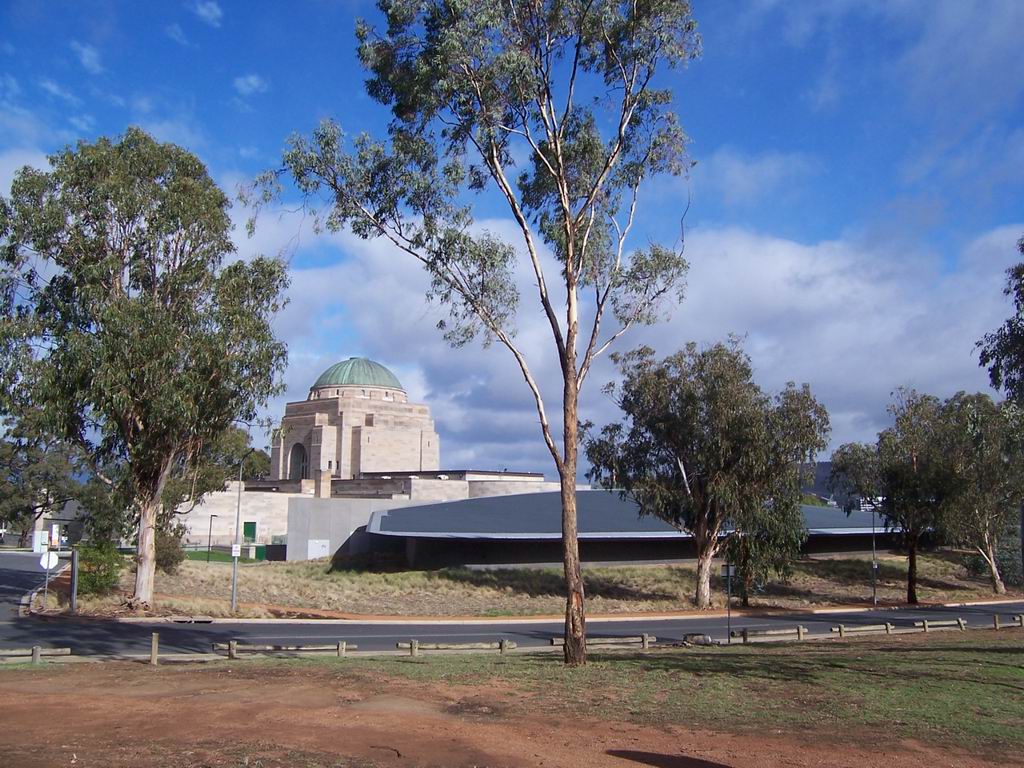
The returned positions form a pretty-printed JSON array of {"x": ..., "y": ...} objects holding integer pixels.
[{"x": 295, "y": 714}]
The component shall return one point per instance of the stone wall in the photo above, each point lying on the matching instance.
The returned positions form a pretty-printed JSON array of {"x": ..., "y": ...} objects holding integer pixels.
[{"x": 267, "y": 509}]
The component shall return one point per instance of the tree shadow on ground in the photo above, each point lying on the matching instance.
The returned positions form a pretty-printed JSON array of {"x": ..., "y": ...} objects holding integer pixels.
[
  {"x": 662, "y": 761},
  {"x": 810, "y": 667},
  {"x": 857, "y": 573},
  {"x": 550, "y": 583}
]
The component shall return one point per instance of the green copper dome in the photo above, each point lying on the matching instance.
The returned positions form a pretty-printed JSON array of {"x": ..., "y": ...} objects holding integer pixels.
[{"x": 358, "y": 372}]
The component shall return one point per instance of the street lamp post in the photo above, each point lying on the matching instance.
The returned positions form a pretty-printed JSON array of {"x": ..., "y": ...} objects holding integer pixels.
[
  {"x": 209, "y": 539},
  {"x": 874, "y": 561},
  {"x": 236, "y": 550}
]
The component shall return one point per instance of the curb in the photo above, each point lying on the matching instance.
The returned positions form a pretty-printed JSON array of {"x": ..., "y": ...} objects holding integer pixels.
[
  {"x": 601, "y": 619},
  {"x": 25, "y": 604}
]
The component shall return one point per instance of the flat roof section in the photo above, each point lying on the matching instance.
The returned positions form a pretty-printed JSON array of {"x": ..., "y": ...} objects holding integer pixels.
[{"x": 538, "y": 516}]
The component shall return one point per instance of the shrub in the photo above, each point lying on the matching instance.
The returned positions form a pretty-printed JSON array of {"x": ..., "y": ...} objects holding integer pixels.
[
  {"x": 1007, "y": 558},
  {"x": 169, "y": 551},
  {"x": 99, "y": 568}
]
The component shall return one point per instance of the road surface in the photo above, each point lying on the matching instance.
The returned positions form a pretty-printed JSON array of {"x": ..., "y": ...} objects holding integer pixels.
[{"x": 20, "y": 572}]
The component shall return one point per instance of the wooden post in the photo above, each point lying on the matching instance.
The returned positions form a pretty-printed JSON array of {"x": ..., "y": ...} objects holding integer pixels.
[
  {"x": 888, "y": 628},
  {"x": 842, "y": 630},
  {"x": 1019, "y": 618},
  {"x": 645, "y": 641},
  {"x": 341, "y": 648},
  {"x": 800, "y": 632},
  {"x": 414, "y": 647},
  {"x": 961, "y": 623},
  {"x": 37, "y": 654},
  {"x": 232, "y": 649},
  {"x": 154, "y": 649},
  {"x": 925, "y": 625},
  {"x": 745, "y": 637},
  {"x": 995, "y": 621},
  {"x": 503, "y": 646}
]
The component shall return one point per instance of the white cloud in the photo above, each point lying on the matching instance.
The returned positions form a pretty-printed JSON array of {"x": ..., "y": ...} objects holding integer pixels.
[
  {"x": 176, "y": 33},
  {"x": 209, "y": 11},
  {"x": 247, "y": 85},
  {"x": 58, "y": 92},
  {"x": 82, "y": 123},
  {"x": 854, "y": 319},
  {"x": 88, "y": 56},
  {"x": 741, "y": 178}
]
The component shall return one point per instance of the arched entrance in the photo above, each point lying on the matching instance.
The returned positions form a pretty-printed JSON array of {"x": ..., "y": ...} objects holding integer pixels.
[{"x": 298, "y": 468}]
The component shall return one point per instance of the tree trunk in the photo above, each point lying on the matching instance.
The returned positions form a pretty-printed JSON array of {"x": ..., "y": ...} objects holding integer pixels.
[
  {"x": 575, "y": 648},
  {"x": 704, "y": 556},
  {"x": 145, "y": 559},
  {"x": 912, "y": 571},
  {"x": 993, "y": 569},
  {"x": 145, "y": 568}
]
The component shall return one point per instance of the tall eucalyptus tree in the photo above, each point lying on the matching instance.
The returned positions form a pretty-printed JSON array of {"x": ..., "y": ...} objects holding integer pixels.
[
  {"x": 143, "y": 343},
  {"x": 553, "y": 107}
]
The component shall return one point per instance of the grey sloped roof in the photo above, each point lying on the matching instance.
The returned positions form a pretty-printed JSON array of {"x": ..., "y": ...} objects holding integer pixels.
[{"x": 600, "y": 515}]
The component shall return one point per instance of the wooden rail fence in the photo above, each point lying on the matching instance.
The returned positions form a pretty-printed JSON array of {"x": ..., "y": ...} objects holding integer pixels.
[
  {"x": 36, "y": 652},
  {"x": 234, "y": 648},
  {"x": 415, "y": 646},
  {"x": 644, "y": 641}
]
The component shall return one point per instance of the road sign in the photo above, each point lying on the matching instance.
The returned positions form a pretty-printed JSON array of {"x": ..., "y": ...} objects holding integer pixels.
[
  {"x": 48, "y": 560},
  {"x": 728, "y": 570},
  {"x": 236, "y": 550}
]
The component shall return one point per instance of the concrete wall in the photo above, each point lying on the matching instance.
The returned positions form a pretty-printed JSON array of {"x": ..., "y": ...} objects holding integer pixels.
[
  {"x": 478, "y": 488},
  {"x": 322, "y": 527}
]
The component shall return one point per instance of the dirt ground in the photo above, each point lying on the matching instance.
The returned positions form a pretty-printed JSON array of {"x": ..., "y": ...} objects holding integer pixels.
[{"x": 268, "y": 716}]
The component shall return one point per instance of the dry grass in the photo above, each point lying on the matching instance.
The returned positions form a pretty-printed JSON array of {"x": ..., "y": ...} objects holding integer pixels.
[{"x": 275, "y": 589}]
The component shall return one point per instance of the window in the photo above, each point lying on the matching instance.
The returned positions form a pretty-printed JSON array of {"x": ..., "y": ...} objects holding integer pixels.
[
  {"x": 329, "y": 464},
  {"x": 369, "y": 420}
]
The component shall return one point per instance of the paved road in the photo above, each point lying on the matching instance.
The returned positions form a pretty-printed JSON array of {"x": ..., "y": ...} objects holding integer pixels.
[{"x": 91, "y": 637}]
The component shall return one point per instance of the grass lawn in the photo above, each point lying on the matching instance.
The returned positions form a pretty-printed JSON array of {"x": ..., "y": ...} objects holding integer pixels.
[
  {"x": 215, "y": 556},
  {"x": 266, "y": 587},
  {"x": 965, "y": 690}
]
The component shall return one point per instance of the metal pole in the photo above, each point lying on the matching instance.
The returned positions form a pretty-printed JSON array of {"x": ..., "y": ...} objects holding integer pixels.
[
  {"x": 46, "y": 584},
  {"x": 728, "y": 603},
  {"x": 236, "y": 550},
  {"x": 74, "y": 581},
  {"x": 209, "y": 539},
  {"x": 874, "y": 562}
]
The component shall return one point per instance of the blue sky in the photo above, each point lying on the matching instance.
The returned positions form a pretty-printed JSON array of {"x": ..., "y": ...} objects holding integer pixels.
[{"x": 858, "y": 191}]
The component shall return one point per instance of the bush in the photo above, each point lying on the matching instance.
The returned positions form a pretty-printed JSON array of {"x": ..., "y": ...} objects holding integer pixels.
[
  {"x": 1007, "y": 558},
  {"x": 169, "y": 551},
  {"x": 99, "y": 568}
]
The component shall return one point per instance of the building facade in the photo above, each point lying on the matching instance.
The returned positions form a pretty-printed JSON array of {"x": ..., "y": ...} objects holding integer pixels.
[{"x": 357, "y": 419}]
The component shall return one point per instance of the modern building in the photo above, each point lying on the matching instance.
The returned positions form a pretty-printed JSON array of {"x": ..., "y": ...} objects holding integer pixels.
[{"x": 511, "y": 530}]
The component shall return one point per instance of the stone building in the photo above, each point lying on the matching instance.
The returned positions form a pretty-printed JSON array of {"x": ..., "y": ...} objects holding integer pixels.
[{"x": 357, "y": 419}]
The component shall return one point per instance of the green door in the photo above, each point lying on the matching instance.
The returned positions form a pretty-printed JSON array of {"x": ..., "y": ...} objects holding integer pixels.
[{"x": 249, "y": 532}]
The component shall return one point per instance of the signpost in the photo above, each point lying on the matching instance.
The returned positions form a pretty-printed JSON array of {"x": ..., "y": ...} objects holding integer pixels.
[
  {"x": 47, "y": 561},
  {"x": 728, "y": 571}
]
